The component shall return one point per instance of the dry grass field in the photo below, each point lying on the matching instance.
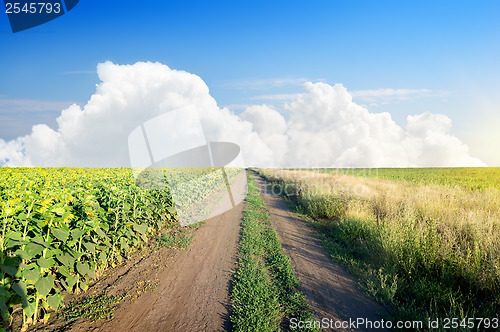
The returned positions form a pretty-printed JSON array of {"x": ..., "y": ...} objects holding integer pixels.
[{"x": 425, "y": 248}]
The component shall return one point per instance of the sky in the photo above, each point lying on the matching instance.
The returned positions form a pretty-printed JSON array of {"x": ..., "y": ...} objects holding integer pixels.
[{"x": 431, "y": 64}]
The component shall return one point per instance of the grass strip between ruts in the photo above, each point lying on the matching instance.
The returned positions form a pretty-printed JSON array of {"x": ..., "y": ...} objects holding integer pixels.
[{"x": 265, "y": 291}]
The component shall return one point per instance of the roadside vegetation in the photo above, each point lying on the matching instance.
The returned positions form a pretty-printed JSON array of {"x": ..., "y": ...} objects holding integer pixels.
[
  {"x": 93, "y": 308},
  {"x": 179, "y": 238},
  {"x": 265, "y": 291},
  {"x": 425, "y": 250}
]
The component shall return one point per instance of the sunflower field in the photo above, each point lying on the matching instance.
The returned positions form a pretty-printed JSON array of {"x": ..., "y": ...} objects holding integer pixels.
[{"x": 61, "y": 227}]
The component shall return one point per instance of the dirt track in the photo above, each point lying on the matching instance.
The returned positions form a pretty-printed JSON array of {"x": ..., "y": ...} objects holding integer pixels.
[
  {"x": 329, "y": 288},
  {"x": 193, "y": 293}
]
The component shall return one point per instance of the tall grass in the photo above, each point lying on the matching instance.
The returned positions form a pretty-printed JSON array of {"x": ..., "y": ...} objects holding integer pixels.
[{"x": 426, "y": 250}]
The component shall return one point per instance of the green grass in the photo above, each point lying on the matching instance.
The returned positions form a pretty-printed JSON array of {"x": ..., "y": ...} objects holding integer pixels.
[
  {"x": 265, "y": 291},
  {"x": 473, "y": 178},
  {"x": 94, "y": 308},
  {"x": 177, "y": 239}
]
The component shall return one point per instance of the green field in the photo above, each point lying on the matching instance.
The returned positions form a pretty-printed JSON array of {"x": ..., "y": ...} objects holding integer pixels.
[{"x": 473, "y": 178}]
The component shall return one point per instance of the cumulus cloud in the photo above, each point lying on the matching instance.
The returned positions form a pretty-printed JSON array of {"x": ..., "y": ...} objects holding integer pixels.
[
  {"x": 324, "y": 128},
  {"x": 328, "y": 128},
  {"x": 12, "y": 154},
  {"x": 129, "y": 95},
  {"x": 271, "y": 128}
]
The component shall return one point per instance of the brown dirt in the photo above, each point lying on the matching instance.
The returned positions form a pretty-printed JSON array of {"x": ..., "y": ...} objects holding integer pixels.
[
  {"x": 193, "y": 295},
  {"x": 328, "y": 287},
  {"x": 171, "y": 290}
]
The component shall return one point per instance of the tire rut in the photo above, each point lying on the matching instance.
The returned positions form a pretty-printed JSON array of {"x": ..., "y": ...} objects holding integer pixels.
[{"x": 328, "y": 287}]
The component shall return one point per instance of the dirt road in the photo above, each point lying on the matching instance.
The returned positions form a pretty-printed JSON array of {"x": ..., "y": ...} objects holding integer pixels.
[
  {"x": 328, "y": 287},
  {"x": 193, "y": 293}
]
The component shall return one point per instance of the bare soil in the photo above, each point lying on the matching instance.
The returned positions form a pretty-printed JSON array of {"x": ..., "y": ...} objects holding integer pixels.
[{"x": 328, "y": 287}]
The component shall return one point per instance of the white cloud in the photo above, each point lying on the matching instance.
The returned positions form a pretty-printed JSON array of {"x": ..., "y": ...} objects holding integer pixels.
[
  {"x": 328, "y": 129},
  {"x": 325, "y": 128},
  {"x": 12, "y": 153},
  {"x": 271, "y": 128},
  {"x": 129, "y": 95}
]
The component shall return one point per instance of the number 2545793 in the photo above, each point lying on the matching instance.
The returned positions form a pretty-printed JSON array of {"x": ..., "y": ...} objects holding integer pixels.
[{"x": 32, "y": 8}]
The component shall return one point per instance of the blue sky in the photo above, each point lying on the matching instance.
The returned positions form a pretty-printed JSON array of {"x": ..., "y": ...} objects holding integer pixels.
[{"x": 437, "y": 56}]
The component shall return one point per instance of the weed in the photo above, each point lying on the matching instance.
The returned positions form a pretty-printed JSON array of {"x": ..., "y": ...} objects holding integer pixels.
[
  {"x": 179, "y": 239},
  {"x": 94, "y": 307}
]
